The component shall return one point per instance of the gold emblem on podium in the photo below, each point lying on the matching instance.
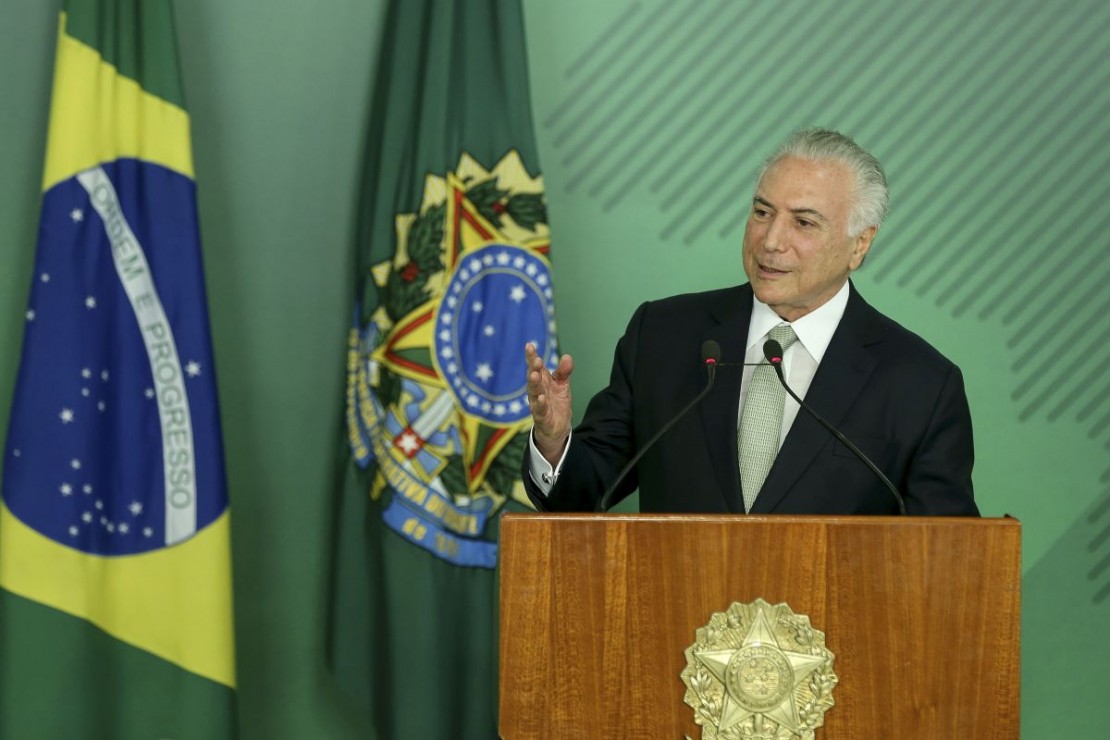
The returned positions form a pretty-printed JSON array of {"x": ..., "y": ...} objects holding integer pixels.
[{"x": 759, "y": 672}]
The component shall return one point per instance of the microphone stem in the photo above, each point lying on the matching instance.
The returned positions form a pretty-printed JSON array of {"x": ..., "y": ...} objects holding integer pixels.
[
  {"x": 844, "y": 440},
  {"x": 603, "y": 503}
]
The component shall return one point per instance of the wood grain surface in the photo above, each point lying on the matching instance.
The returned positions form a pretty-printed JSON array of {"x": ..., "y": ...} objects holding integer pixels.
[{"x": 922, "y": 614}]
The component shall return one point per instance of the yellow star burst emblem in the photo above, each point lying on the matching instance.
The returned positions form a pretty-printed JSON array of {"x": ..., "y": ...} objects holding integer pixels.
[
  {"x": 436, "y": 377},
  {"x": 759, "y": 671}
]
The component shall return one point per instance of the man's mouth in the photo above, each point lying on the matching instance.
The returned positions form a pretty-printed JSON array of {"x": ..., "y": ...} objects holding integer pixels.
[{"x": 770, "y": 270}]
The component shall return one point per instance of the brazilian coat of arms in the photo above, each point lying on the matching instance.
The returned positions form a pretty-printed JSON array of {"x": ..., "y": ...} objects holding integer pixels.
[{"x": 436, "y": 376}]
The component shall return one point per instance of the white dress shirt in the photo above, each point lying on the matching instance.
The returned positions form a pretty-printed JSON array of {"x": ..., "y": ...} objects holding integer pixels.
[{"x": 814, "y": 331}]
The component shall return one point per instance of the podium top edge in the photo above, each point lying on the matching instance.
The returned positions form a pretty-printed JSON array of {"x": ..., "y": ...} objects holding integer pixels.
[{"x": 859, "y": 520}]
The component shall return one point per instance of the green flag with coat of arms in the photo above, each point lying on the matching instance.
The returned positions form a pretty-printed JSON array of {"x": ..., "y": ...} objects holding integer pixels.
[{"x": 452, "y": 279}]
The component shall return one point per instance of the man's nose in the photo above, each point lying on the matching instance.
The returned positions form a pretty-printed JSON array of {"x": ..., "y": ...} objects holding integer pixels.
[{"x": 775, "y": 237}]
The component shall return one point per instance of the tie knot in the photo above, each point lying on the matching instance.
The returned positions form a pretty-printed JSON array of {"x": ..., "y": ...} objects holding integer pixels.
[{"x": 784, "y": 335}]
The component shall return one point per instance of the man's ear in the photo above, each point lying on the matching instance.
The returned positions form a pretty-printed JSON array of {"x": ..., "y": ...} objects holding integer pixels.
[{"x": 862, "y": 245}]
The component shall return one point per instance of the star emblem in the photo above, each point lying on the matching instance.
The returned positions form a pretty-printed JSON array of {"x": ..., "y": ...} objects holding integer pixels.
[
  {"x": 763, "y": 671},
  {"x": 759, "y": 677},
  {"x": 77, "y": 215},
  {"x": 480, "y": 306},
  {"x": 408, "y": 443},
  {"x": 192, "y": 368}
]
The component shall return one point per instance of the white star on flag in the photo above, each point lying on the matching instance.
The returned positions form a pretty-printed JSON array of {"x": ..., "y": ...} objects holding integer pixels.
[
  {"x": 192, "y": 368},
  {"x": 135, "y": 508},
  {"x": 45, "y": 277},
  {"x": 86, "y": 517},
  {"x": 75, "y": 464},
  {"x": 484, "y": 372},
  {"x": 502, "y": 258},
  {"x": 86, "y": 373},
  {"x": 66, "y": 489},
  {"x": 408, "y": 443},
  {"x": 489, "y": 331},
  {"x": 77, "y": 215},
  {"x": 66, "y": 416},
  {"x": 30, "y": 315},
  {"x": 476, "y": 307},
  {"x": 517, "y": 294},
  {"x": 90, "y": 302}
]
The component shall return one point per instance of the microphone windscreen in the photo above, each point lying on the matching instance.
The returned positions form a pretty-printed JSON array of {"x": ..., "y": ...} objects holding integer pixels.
[
  {"x": 772, "y": 350},
  {"x": 710, "y": 351}
]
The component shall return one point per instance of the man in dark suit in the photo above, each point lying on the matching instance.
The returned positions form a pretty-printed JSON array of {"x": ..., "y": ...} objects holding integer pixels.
[{"x": 817, "y": 207}]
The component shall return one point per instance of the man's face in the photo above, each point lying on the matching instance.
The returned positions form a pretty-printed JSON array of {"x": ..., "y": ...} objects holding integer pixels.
[{"x": 797, "y": 252}]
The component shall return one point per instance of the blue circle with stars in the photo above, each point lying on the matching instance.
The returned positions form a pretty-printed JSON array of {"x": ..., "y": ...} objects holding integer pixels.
[{"x": 498, "y": 299}]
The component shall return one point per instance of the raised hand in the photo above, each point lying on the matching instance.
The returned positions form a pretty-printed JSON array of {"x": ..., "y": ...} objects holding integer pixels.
[{"x": 549, "y": 398}]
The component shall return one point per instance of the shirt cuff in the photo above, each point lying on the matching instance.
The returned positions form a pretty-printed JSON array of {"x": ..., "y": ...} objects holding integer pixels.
[{"x": 543, "y": 475}]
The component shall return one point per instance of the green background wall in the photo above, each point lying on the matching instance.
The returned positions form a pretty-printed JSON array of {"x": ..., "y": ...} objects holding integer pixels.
[{"x": 652, "y": 117}]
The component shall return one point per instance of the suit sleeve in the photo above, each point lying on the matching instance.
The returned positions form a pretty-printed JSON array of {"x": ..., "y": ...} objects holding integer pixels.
[
  {"x": 603, "y": 443},
  {"x": 939, "y": 477}
]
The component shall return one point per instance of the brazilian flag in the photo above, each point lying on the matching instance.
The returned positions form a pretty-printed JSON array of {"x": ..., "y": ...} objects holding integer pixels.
[{"x": 115, "y": 575}]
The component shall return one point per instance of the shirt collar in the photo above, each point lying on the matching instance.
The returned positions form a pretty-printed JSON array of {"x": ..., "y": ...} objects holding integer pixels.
[{"x": 815, "y": 329}]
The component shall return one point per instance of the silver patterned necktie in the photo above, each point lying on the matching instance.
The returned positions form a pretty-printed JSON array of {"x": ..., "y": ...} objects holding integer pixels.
[{"x": 761, "y": 422}]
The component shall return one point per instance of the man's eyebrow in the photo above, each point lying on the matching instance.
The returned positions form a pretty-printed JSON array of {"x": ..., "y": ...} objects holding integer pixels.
[{"x": 795, "y": 211}]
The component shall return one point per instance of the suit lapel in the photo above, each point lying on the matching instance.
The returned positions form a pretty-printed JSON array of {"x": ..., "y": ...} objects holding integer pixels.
[
  {"x": 840, "y": 378},
  {"x": 719, "y": 410}
]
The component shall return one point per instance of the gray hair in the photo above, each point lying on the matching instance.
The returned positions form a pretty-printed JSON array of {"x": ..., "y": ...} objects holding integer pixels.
[{"x": 872, "y": 197}]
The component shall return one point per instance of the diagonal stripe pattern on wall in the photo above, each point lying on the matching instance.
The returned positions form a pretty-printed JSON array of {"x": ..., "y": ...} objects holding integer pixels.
[{"x": 989, "y": 117}]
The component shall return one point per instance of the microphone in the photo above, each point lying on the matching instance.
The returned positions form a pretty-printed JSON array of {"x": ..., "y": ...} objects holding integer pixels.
[
  {"x": 710, "y": 356},
  {"x": 772, "y": 350}
]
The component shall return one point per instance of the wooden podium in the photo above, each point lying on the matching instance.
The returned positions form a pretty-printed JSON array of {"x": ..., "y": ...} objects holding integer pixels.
[{"x": 922, "y": 614}]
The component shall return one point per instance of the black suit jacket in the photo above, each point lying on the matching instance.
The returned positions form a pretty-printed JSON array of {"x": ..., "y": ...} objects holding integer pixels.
[{"x": 885, "y": 388}]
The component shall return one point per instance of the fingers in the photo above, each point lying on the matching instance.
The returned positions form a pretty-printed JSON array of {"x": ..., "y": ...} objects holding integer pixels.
[
  {"x": 549, "y": 393},
  {"x": 564, "y": 369},
  {"x": 537, "y": 373}
]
